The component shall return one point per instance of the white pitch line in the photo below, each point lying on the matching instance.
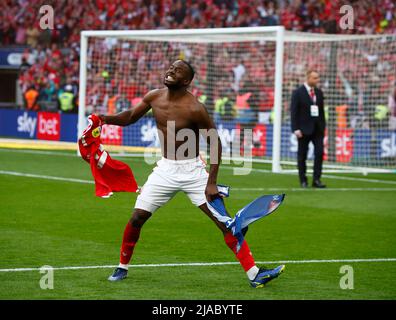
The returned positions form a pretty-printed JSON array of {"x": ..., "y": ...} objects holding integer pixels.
[
  {"x": 324, "y": 175},
  {"x": 313, "y": 189},
  {"x": 359, "y": 179},
  {"x": 69, "y": 154},
  {"x": 115, "y": 155},
  {"x": 41, "y": 152},
  {"x": 38, "y": 176},
  {"x": 205, "y": 264}
]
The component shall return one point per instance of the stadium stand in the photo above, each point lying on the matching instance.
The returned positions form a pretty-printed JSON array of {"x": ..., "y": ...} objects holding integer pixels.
[{"x": 51, "y": 57}]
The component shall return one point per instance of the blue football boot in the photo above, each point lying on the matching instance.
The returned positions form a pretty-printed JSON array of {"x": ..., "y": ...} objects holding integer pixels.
[
  {"x": 266, "y": 275},
  {"x": 118, "y": 274}
]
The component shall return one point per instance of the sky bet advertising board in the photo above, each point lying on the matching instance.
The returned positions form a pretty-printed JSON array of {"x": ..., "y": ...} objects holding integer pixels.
[
  {"x": 38, "y": 125},
  {"x": 350, "y": 144}
]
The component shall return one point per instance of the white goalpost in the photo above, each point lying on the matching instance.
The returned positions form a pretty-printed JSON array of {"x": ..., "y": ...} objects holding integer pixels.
[{"x": 245, "y": 77}]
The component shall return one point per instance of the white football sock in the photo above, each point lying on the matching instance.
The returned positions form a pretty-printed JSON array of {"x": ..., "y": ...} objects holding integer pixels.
[
  {"x": 252, "y": 273},
  {"x": 123, "y": 266}
]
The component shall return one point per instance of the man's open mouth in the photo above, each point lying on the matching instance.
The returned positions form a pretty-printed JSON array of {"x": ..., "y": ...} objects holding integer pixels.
[{"x": 169, "y": 78}]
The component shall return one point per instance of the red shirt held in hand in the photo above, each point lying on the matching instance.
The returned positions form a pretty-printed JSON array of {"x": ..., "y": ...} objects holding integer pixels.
[{"x": 110, "y": 175}]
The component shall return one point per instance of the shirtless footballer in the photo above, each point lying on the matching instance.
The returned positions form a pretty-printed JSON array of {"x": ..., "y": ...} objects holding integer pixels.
[{"x": 179, "y": 170}]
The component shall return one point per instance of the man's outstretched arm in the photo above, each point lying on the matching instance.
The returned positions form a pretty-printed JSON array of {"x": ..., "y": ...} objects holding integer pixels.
[
  {"x": 212, "y": 137},
  {"x": 131, "y": 115}
]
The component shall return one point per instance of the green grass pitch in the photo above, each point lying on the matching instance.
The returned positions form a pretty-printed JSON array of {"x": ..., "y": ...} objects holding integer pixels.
[{"x": 62, "y": 224}]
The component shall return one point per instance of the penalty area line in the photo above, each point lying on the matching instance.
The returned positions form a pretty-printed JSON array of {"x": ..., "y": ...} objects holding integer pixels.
[{"x": 203, "y": 264}]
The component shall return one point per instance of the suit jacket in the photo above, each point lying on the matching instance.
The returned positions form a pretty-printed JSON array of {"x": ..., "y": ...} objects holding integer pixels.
[{"x": 300, "y": 108}]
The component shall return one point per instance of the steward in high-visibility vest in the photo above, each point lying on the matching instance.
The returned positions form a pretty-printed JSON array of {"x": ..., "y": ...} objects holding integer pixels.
[
  {"x": 66, "y": 100},
  {"x": 381, "y": 112},
  {"x": 220, "y": 106}
]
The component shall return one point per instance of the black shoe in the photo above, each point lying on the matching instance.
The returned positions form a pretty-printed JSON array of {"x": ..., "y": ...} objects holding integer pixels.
[
  {"x": 318, "y": 184},
  {"x": 304, "y": 184}
]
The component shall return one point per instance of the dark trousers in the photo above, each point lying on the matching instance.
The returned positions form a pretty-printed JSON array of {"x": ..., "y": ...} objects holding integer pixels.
[{"x": 317, "y": 140}]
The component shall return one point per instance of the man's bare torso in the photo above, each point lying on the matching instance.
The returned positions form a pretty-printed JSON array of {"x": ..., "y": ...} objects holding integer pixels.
[{"x": 173, "y": 114}]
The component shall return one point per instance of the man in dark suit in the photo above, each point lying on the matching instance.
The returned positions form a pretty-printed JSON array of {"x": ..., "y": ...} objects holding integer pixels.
[{"x": 308, "y": 124}]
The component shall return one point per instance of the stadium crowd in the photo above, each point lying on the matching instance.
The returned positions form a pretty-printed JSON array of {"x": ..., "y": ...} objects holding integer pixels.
[{"x": 50, "y": 65}]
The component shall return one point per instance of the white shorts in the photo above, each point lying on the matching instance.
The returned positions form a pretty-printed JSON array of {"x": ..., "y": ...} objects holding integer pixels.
[{"x": 171, "y": 176}]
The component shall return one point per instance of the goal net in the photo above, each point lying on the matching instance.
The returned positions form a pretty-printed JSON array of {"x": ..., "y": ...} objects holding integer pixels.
[
  {"x": 245, "y": 77},
  {"x": 358, "y": 78}
]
